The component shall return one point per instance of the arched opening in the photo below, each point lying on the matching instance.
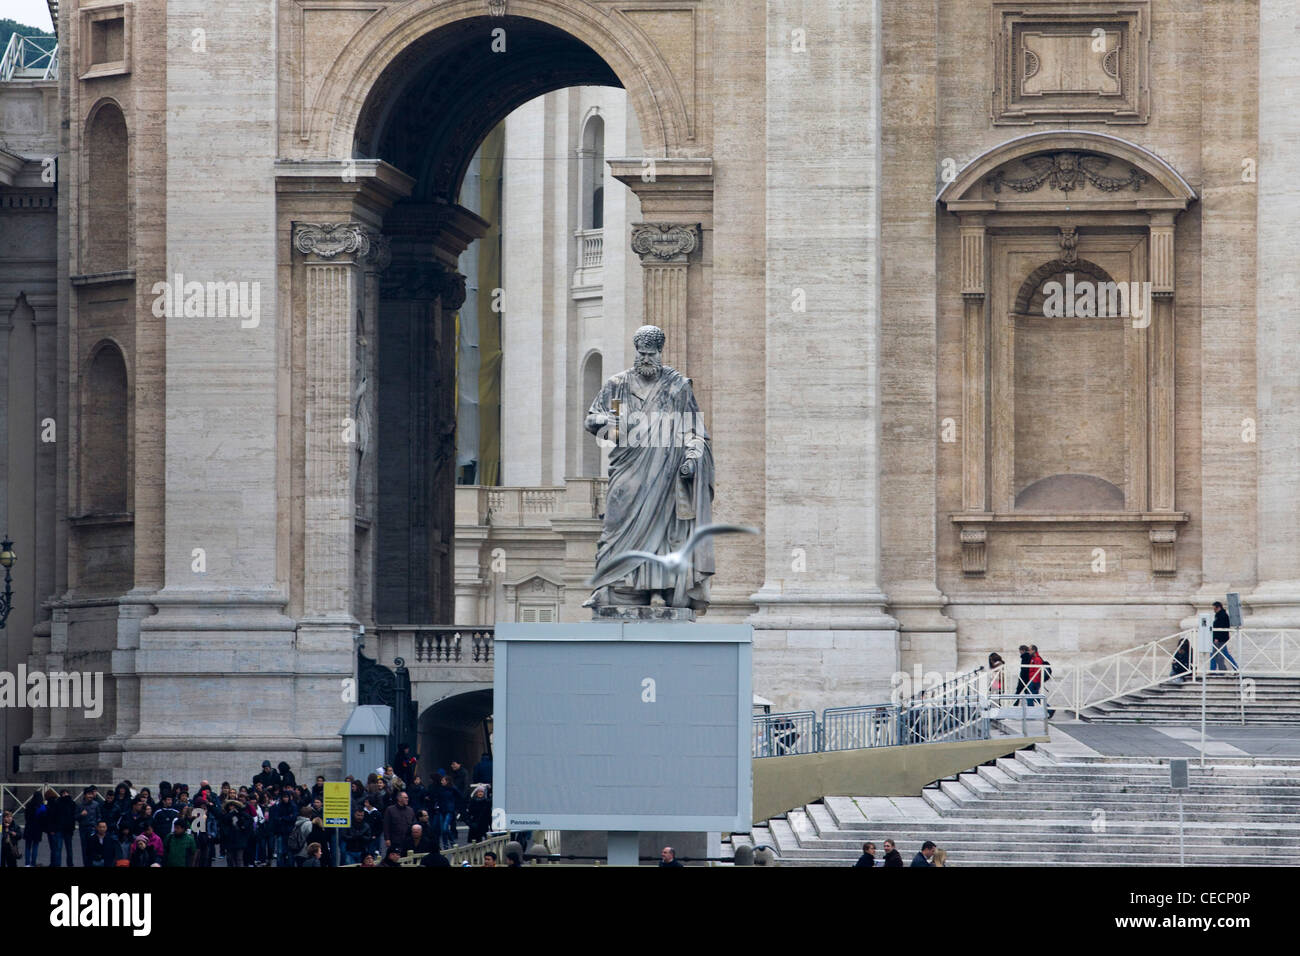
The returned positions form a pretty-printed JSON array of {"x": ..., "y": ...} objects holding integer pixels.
[
  {"x": 446, "y": 307},
  {"x": 593, "y": 173},
  {"x": 455, "y": 728},
  {"x": 1069, "y": 391},
  {"x": 593, "y": 377},
  {"x": 104, "y": 430},
  {"x": 106, "y": 194}
]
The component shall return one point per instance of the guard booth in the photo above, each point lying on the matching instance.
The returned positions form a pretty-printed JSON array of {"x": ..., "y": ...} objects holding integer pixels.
[{"x": 365, "y": 739}]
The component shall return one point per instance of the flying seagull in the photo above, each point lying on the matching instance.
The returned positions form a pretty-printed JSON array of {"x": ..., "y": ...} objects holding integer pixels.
[{"x": 675, "y": 561}]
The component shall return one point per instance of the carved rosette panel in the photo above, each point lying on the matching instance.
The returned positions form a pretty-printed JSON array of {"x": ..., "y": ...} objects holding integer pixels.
[
  {"x": 664, "y": 241},
  {"x": 326, "y": 240}
]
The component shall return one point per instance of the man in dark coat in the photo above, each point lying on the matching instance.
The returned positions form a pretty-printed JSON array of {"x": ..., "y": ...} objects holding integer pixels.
[
  {"x": 1220, "y": 658},
  {"x": 89, "y": 808},
  {"x": 397, "y": 822},
  {"x": 236, "y": 831},
  {"x": 668, "y": 857},
  {"x": 925, "y": 856},
  {"x": 460, "y": 780},
  {"x": 268, "y": 778},
  {"x": 419, "y": 842},
  {"x": 62, "y": 826},
  {"x": 868, "y": 857},
  {"x": 102, "y": 848},
  {"x": 283, "y": 817},
  {"x": 1026, "y": 658},
  {"x": 435, "y": 859},
  {"x": 483, "y": 770},
  {"x": 892, "y": 856}
]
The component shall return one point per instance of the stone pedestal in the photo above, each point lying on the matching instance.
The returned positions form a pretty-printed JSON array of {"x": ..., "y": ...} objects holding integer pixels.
[{"x": 642, "y": 613}]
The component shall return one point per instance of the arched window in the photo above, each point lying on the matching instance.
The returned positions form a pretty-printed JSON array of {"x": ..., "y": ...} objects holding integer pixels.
[
  {"x": 592, "y": 380},
  {"x": 104, "y": 425},
  {"x": 106, "y": 195},
  {"x": 593, "y": 173}
]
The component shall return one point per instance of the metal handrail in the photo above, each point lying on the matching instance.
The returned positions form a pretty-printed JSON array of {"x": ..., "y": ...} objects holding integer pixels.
[
  {"x": 1079, "y": 685},
  {"x": 965, "y": 717},
  {"x": 965, "y": 684}
]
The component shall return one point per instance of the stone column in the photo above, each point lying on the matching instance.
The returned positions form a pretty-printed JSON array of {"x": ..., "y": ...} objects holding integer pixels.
[
  {"x": 674, "y": 244},
  {"x": 333, "y": 296},
  {"x": 975, "y": 396},
  {"x": 665, "y": 249},
  {"x": 1275, "y": 601},
  {"x": 822, "y": 635}
]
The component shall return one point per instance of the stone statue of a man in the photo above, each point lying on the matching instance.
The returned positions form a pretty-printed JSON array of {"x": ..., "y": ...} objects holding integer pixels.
[{"x": 660, "y": 481}]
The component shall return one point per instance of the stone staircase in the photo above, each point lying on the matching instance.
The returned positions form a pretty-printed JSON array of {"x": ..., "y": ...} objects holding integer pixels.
[
  {"x": 1056, "y": 806},
  {"x": 1276, "y": 702}
]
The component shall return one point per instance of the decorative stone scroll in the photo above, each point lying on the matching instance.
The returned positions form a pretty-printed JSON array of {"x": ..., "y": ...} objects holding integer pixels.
[
  {"x": 327, "y": 240},
  {"x": 664, "y": 241},
  {"x": 974, "y": 550},
  {"x": 1163, "y": 541}
]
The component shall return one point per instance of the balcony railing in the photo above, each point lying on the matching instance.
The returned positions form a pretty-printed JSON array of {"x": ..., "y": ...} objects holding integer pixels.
[
  {"x": 591, "y": 248},
  {"x": 437, "y": 643}
]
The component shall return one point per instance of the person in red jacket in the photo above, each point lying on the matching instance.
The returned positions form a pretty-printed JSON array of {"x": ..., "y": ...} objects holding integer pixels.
[{"x": 1039, "y": 670}]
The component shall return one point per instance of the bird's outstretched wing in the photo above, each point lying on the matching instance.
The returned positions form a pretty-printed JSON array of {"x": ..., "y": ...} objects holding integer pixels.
[
  {"x": 699, "y": 534},
  {"x": 628, "y": 558}
]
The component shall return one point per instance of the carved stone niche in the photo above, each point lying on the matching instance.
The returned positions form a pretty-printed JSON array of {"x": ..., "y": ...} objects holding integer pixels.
[{"x": 1071, "y": 62}]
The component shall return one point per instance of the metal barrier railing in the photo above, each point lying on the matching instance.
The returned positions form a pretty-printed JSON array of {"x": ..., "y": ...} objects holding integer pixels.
[
  {"x": 967, "y": 717},
  {"x": 1076, "y": 686},
  {"x": 776, "y": 735},
  {"x": 855, "y": 728},
  {"x": 14, "y": 796}
]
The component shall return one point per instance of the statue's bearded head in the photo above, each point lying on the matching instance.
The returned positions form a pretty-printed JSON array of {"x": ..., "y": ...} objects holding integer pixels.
[{"x": 649, "y": 342}]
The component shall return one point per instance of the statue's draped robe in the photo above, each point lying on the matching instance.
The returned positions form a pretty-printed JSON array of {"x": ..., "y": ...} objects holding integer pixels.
[{"x": 650, "y": 506}]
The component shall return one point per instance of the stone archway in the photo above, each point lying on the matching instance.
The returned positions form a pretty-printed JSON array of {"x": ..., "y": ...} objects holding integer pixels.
[
  {"x": 455, "y": 728},
  {"x": 368, "y": 206}
]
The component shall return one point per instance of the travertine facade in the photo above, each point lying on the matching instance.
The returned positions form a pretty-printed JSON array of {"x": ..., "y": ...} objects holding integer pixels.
[{"x": 881, "y": 194}]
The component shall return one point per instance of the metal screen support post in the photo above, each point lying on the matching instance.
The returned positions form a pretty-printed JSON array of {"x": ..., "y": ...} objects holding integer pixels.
[
  {"x": 1024, "y": 716},
  {"x": 1241, "y": 697},
  {"x": 623, "y": 848},
  {"x": 1181, "y": 859},
  {"x": 1204, "y": 675}
]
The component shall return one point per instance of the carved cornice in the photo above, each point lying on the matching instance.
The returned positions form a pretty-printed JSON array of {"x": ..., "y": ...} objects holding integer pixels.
[
  {"x": 329, "y": 240},
  {"x": 662, "y": 242},
  {"x": 380, "y": 255},
  {"x": 423, "y": 280},
  {"x": 452, "y": 290},
  {"x": 1068, "y": 171}
]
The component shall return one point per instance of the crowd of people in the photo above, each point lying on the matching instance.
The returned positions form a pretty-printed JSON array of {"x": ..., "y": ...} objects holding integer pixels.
[
  {"x": 928, "y": 855},
  {"x": 273, "y": 821}
]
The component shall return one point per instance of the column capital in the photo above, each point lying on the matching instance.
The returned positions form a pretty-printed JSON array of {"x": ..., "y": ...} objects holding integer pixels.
[
  {"x": 343, "y": 241},
  {"x": 424, "y": 280},
  {"x": 663, "y": 243}
]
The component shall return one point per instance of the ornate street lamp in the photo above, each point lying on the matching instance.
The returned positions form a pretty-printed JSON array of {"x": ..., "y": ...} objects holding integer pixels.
[{"x": 7, "y": 559}]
